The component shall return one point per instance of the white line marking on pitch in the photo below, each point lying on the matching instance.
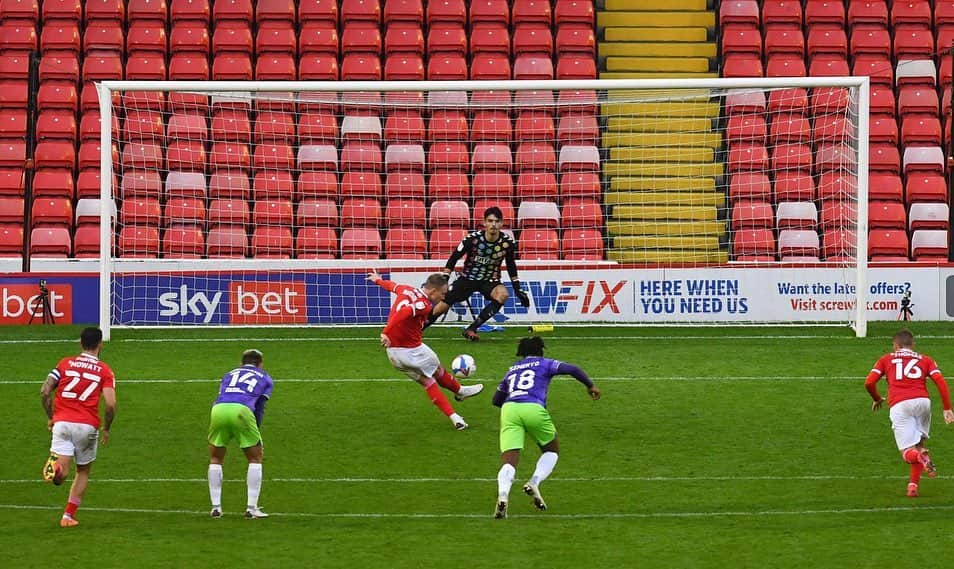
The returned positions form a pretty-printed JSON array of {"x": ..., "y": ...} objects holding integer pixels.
[
  {"x": 620, "y": 515},
  {"x": 404, "y": 380},
  {"x": 808, "y": 477}
]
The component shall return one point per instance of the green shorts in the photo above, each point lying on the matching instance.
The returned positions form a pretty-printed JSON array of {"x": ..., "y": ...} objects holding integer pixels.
[
  {"x": 520, "y": 419},
  {"x": 233, "y": 421}
]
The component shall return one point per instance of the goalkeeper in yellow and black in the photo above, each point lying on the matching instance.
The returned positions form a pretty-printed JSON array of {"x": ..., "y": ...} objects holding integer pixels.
[{"x": 483, "y": 251}]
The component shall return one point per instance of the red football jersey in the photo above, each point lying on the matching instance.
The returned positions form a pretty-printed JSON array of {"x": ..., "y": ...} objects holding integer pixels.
[
  {"x": 80, "y": 381},
  {"x": 907, "y": 372},
  {"x": 408, "y": 315}
]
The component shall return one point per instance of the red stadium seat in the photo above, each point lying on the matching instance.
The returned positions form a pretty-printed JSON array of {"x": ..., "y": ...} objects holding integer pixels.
[
  {"x": 887, "y": 243},
  {"x": 277, "y": 212},
  {"x": 139, "y": 242},
  {"x": 276, "y": 67},
  {"x": 837, "y": 214},
  {"x": 539, "y": 244},
  {"x": 925, "y": 188},
  {"x": 56, "y": 124},
  {"x": 229, "y": 212},
  {"x": 449, "y": 214},
  {"x": 184, "y": 211},
  {"x": 407, "y": 185},
  {"x": 360, "y": 212},
  {"x": 877, "y": 67},
  {"x": 141, "y": 211},
  {"x": 227, "y": 241},
  {"x": 489, "y": 156},
  {"x": 12, "y": 153},
  {"x": 273, "y": 184},
  {"x": 746, "y": 128},
  {"x": 537, "y": 186},
  {"x": 569, "y": 12},
  {"x": 739, "y": 65},
  {"x": 316, "y": 243},
  {"x": 189, "y": 38},
  {"x": 581, "y": 214},
  {"x": 447, "y": 11},
  {"x": 361, "y": 156},
  {"x": 827, "y": 41},
  {"x": 747, "y": 157},
  {"x": 226, "y": 185},
  {"x": 229, "y": 66},
  {"x": 362, "y": 38},
  {"x": 20, "y": 10},
  {"x": 324, "y": 11},
  {"x": 318, "y": 38},
  {"x": 405, "y": 243},
  {"x": 913, "y": 13},
  {"x": 64, "y": 35},
  {"x": 494, "y": 67},
  {"x": 360, "y": 243},
  {"x": 536, "y": 38},
  {"x": 447, "y": 126},
  {"x": 532, "y": 11},
  {"x": 317, "y": 185},
  {"x": 747, "y": 214},
  {"x": 102, "y": 36},
  {"x": 445, "y": 37},
  {"x": 404, "y": 126},
  {"x": 317, "y": 213},
  {"x": 920, "y": 130},
  {"x": 490, "y": 38},
  {"x": 574, "y": 66},
  {"x": 785, "y": 65},
  {"x": 873, "y": 12},
  {"x": 781, "y": 12},
  {"x": 60, "y": 66},
  {"x": 787, "y": 100},
  {"x": 11, "y": 211},
  {"x": 750, "y": 185},
  {"x": 913, "y": 43},
  {"x": 403, "y": 39},
  {"x": 739, "y": 12},
  {"x": 361, "y": 11},
  {"x": 838, "y": 244},
  {"x": 404, "y": 213},
  {"x": 447, "y": 67},
  {"x": 54, "y": 182},
  {"x": 86, "y": 242},
  {"x": 794, "y": 186},
  {"x": 404, "y": 11},
  {"x": 448, "y": 185},
  {"x": 50, "y": 242},
  {"x": 443, "y": 242},
  {"x": 495, "y": 11},
  {"x": 582, "y": 245},
  {"x": 838, "y": 185},
  {"x": 56, "y": 154},
  {"x": 493, "y": 184},
  {"x": 789, "y": 128},
  {"x": 448, "y": 156},
  {"x": 753, "y": 242},
  {"x": 777, "y": 41},
  {"x": 230, "y": 156},
  {"x": 361, "y": 184},
  {"x": 272, "y": 127},
  {"x": 535, "y": 156},
  {"x": 886, "y": 215},
  {"x": 275, "y": 10},
  {"x": 239, "y": 11},
  {"x": 884, "y": 158},
  {"x": 839, "y": 157},
  {"x": 272, "y": 243}
]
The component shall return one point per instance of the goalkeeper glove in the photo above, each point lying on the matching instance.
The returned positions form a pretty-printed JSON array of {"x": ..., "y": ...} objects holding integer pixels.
[{"x": 521, "y": 294}]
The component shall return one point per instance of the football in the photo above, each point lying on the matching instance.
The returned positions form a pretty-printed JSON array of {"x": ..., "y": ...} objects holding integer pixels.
[{"x": 463, "y": 366}]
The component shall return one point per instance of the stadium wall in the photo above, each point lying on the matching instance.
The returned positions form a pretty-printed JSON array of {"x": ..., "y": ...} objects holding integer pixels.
[{"x": 605, "y": 294}]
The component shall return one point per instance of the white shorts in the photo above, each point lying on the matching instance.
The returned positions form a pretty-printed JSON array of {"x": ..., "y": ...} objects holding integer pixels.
[
  {"x": 78, "y": 440},
  {"x": 415, "y": 362},
  {"x": 911, "y": 421}
]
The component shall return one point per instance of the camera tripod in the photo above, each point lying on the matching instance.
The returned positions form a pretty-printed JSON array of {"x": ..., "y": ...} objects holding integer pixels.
[
  {"x": 42, "y": 305},
  {"x": 905, "y": 313}
]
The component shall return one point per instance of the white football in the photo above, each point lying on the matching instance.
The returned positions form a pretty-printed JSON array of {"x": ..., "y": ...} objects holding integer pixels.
[{"x": 463, "y": 366}]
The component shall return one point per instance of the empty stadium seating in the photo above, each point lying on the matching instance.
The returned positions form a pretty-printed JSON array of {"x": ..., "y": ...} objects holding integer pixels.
[
  {"x": 806, "y": 143},
  {"x": 317, "y": 180}
]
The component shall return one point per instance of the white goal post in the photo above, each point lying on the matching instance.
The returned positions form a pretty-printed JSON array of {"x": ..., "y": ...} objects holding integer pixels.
[{"x": 710, "y": 201}]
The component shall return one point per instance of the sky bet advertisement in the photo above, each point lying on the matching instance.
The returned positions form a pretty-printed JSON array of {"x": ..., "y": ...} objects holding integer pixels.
[{"x": 607, "y": 294}]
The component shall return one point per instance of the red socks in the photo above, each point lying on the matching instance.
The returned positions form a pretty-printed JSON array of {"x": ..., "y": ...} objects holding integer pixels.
[
  {"x": 437, "y": 398},
  {"x": 71, "y": 507},
  {"x": 912, "y": 456},
  {"x": 446, "y": 380}
]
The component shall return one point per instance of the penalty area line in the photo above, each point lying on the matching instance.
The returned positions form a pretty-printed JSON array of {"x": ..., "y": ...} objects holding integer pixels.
[{"x": 581, "y": 516}]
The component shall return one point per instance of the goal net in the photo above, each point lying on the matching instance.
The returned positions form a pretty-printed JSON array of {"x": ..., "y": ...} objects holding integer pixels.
[{"x": 673, "y": 202}]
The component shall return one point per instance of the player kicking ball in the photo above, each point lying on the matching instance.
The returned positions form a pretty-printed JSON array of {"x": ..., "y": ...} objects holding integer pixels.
[
  {"x": 402, "y": 338},
  {"x": 910, "y": 406},
  {"x": 522, "y": 398}
]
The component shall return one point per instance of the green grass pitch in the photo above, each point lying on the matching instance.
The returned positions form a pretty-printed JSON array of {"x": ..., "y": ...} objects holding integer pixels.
[{"x": 712, "y": 447}]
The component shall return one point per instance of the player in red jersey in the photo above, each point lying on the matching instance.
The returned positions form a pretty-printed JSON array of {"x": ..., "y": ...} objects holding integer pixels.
[
  {"x": 910, "y": 406},
  {"x": 70, "y": 397},
  {"x": 402, "y": 338}
]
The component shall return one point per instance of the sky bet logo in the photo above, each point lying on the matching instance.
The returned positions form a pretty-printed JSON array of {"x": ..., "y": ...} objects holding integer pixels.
[
  {"x": 249, "y": 302},
  {"x": 561, "y": 297},
  {"x": 19, "y": 301}
]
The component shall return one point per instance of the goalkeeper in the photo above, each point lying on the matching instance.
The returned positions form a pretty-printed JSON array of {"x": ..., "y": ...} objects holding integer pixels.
[{"x": 483, "y": 250}]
